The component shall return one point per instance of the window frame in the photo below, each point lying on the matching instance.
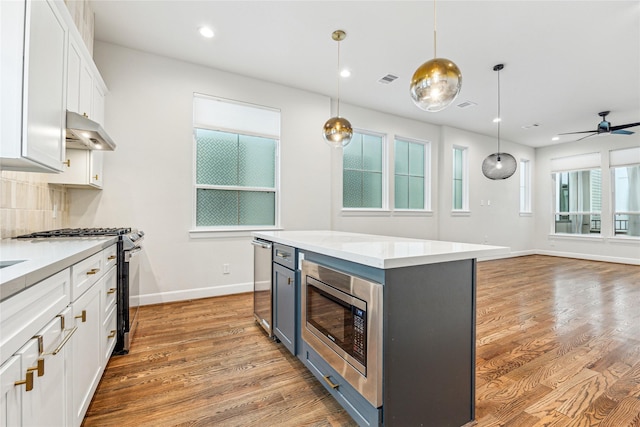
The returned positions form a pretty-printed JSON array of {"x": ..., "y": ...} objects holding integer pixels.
[
  {"x": 464, "y": 209},
  {"x": 556, "y": 212},
  {"x": 614, "y": 210},
  {"x": 212, "y": 231},
  {"x": 385, "y": 176},
  {"x": 427, "y": 174},
  {"x": 525, "y": 187}
]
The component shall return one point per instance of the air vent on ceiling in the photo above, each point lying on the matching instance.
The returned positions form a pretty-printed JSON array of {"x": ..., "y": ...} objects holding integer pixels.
[
  {"x": 389, "y": 78},
  {"x": 531, "y": 126},
  {"x": 467, "y": 104}
]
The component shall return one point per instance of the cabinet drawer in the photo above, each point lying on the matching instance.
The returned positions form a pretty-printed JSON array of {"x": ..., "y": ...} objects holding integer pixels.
[
  {"x": 24, "y": 314},
  {"x": 110, "y": 256},
  {"x": 86, "y": 273},
  {"x": 109, "y": 335},
  {"x": 357, "y": 406},
  {"x": 284, "y": 255},
  {"x": 109, "y": 290}
]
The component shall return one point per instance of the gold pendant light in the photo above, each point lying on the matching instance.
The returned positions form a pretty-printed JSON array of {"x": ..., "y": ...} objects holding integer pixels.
[
  {"x": 437, "y": 82},
  {"x": 337, "y": 131}
]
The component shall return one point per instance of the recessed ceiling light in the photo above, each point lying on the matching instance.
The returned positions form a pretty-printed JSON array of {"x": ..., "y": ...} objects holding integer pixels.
[
  {"x": 206, "y": 32},
  {"x": 555, "y": 138},
  {"x": 345, "y": 73}
]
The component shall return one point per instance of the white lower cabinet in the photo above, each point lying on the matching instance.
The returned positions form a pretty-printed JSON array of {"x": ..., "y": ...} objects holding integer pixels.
[
  {"x": 85, "y": 354},
  {"x": 11, "y": 384}
]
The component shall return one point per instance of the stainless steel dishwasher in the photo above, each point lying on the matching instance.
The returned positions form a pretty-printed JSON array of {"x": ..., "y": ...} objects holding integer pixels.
[{"x": 262, "y": 299}]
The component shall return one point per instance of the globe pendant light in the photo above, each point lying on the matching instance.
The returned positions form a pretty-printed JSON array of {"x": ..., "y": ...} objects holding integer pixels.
[
  {"x": 436, "y": 83},
  {"x": 499, "y": 165},
  {"x": 337, "y": 131}
]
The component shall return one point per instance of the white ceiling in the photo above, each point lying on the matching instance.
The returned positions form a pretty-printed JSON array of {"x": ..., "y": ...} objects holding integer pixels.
[{"x": 565, "y": 61}]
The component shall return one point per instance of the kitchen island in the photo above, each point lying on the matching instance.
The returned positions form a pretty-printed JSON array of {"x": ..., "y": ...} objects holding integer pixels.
[{"x": 421, "y": 353}]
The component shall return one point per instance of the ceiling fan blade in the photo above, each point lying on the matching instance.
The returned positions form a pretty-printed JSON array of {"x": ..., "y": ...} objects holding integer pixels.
[
  {"x": 628, "y": 125},
  {"x": 584, "y": 131},
  {"x": 623, "y": 132},
  {"x": 592, "y": 134}
]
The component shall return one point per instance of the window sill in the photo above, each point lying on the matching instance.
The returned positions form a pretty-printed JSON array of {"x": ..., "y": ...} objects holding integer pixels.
[
  {"x": 412, "y": 212},
  {"x": 365, "y": 212},
  {"x": 461, "y": 213},
  {"x": 225, "y": 233},
  {"x": 630, "y": 240},
  {"x": 526, "y": 214},
  {"x": 583, "y": 237}
]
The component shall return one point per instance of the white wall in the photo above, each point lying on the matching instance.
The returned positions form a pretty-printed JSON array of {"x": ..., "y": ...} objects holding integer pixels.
[
  {"x": 601, "y": 248},
  {"x": 148, "y": 178}
]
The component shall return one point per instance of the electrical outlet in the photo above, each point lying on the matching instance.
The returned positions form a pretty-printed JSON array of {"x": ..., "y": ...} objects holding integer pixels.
[
  {"x": 55, "y": 211},
  {"x": 225, "y": 269},
  {"x": 488, "y": 202}
]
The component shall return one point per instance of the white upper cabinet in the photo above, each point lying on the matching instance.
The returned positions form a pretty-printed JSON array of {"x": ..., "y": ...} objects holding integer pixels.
[
  {"x": 85, "y": 87},
  {"x": 33, "y": 86}
]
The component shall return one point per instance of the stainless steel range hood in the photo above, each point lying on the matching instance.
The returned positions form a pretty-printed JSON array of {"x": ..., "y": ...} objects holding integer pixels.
[{"x": 85, "y": 134}]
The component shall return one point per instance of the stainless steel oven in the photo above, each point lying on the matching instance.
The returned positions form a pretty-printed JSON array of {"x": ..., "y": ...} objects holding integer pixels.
[{"x": 342, "y": 322}]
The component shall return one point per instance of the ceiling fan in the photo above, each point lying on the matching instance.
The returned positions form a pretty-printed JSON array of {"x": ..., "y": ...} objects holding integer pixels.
[{"x": 605, "y": 127}]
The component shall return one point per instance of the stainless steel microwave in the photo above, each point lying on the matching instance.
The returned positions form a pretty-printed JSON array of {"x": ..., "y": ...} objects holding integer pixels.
[{"x": 342, "y": 322}]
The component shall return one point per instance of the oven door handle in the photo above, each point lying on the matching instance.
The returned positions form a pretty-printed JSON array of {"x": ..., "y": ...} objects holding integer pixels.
[{"x": 128, "y": 254}]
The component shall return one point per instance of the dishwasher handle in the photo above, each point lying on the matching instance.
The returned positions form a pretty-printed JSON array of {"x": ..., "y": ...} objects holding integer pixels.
[{"x": 262, "y": 243}]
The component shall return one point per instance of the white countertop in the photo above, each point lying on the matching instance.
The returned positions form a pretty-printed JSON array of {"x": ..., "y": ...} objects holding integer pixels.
[
  {"x": 42, "y": 258},
  {"x": 380, "y": 251}
]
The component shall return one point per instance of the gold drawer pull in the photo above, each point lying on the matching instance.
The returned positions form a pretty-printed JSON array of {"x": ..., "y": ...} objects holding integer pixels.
[
  {"x": 61, "y": 316},
  {"x": 289, "y": 280},
  {"x": 64, "y": 341},
  {"x": 92, "y": 271},
  {"x": 28, "y": 382},
  {"x": 111, "y": 291},
  {"x": 38, "y": 368},
  {"x": 112, "y": 334},
  {"x": 331, "y": 383},
  {"x": 68, "y": 163},
  {"x": 111, "y": 258},
  {"x": 82, "y": 316}
]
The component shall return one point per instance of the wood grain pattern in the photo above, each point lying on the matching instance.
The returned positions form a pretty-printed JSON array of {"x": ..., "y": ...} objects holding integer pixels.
[{"x": 558, "y": 344}]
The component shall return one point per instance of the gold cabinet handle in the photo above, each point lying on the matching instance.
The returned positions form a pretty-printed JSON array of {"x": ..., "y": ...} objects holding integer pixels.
[
  {"x": 61, "y": 316},
  {"x": 28, "y": 382},
  {"x": 38, "y": 368},
  {"x": 331, "y": 383},
  {"x": 68, "y": 163},
  {"x": 64, "y": 341},
  {"x": 111, "y": 291},
  {"x": 289, "y": 281},
  {"x": 92, "y": 271},
  {"x": 82, "y": 316},
  {"x": 111, "y": 258},
  {"x": 95, "y": 177},
  {"x": 112, "y": 334}
]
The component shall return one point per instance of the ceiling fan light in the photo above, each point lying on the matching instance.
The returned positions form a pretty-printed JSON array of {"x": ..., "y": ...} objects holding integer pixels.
[
  {"x": 435, "y": 84},
  {"x": 337, "y": 132}
]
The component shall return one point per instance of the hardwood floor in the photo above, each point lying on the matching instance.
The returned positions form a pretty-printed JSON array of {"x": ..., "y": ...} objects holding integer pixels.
[{"x": 558, "y": 344}]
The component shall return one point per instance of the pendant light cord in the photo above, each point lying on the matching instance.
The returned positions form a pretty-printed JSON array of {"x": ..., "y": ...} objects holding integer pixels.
[
  {"x": 435, "y": 55},
  {"x": 499, "y": 115},
  {"x": 338, "y": 78}
]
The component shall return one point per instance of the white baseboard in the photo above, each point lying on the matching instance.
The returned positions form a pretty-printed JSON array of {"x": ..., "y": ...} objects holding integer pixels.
[
  {"x": 509, "y": 255},
  {"x": 591, "y": 257},
  {"x": 187, "y": 294}
]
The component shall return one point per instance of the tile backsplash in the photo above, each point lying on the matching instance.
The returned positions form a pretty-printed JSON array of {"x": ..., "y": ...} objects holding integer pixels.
[{"x": 29, "y": 203}]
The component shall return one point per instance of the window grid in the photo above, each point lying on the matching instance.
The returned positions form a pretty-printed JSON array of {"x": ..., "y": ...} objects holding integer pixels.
[
  {"x": 363, "y": 172},
  {"x": 411, "y": 166}
]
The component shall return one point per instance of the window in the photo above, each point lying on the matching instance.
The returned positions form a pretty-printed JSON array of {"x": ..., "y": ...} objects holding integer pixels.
[
  {"x": 411, "y": 174},
  {"x": 363, "y": 172},
  {"x": 235, "y": 169},
  {"x": 578, "y": 201},
  {"x": 626, "y": 213},
  {"x": 460, "y": 180},
  {"x": 525, "y": 186}
]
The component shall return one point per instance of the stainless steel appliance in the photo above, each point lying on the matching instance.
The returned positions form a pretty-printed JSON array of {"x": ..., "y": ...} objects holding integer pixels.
[
  {"x": 342, "y": 322},
  {"x": 129, "y": 248},
  {"x": 262, "y": 298}
]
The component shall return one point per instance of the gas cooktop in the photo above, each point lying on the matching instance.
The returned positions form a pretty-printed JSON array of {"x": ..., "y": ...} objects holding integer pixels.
[{"x": 78, "y": 232}]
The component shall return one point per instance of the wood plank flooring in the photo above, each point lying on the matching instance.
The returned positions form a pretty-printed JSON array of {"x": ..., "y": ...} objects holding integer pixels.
[{"x": 558, "y": 344}]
